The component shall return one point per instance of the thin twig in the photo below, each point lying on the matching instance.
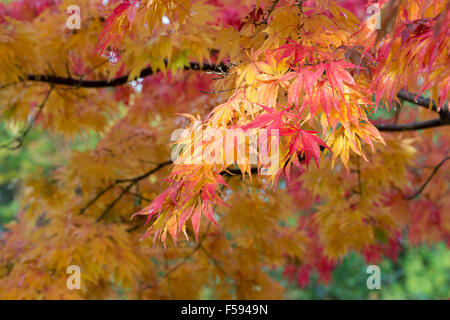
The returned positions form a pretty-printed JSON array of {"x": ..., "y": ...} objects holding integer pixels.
[
  {"x": 127, "y": 188},
  {"x": 139, "y": 196},
  {"x": 433, "y": 173},
  {"x": 112, "y": 204},
  {"x": 98, "y": 196},
  {"x": 179, "y": 264},
  {"x": 214, "y": 261},
  {"x": 20, "y": 140},
  {"x": 166, "y": 266},
  {"x": 116, "y": 182}
]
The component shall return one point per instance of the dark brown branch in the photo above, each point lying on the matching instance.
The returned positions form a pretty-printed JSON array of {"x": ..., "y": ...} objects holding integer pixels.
[
  {"x": 421, "y": 101},
  {"x": 358, "y": 172},
  {"x": 231, "y": 172},
  {"x": 222, "y": 68},
  {"x": 433, "y": 173},
  {"x": 145, "y": 175},
  {"x": 412, "y": 126}
]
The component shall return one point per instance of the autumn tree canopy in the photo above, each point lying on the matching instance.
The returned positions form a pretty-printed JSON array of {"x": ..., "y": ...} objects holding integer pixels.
[{"x": 346, "y": 103}]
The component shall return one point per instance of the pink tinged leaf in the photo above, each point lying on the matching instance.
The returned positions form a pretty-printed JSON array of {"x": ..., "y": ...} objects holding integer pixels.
[
  {"x": 155, "y": 236},
  {"x": 311, "y": 148},
  {"x": 326, "y": 101},
  {"x": 334, "y": 81},
  {"x": 277, "y": 178},
  {"x": 106, "y": 37},
  {"x": 174, "y": 191},
  {"x": 294, "y": 90},
  {"x": 296, "y": 163},
  {"x": 147, "y": 232},
  {"x": 267, "y": 109},
  {"x": 218, "y": 200},
  {"x": 294, "y": 48},
  {"x": 156, "y": 205},
  {"x": 287, "y": 131},
  {"x": 196, "y": 221},
  {"x": 294, "y": 146},
  {"x": 287, "y": 172},
  {"x": 345, "y": 64},
  {"x": 142, "y": 212},
  {"x": 131, "y": 13},
  {"x": 209, "y": 194},
  {"x": 211, "y": 190},
  {"x": 344, "y": 76},
  {"x": 271, "y": 120},
  {"x": 260, "y": 121},
  {"x": 184, "y": 216},
  {"x": 209, "y": 213},
  {"x": 173, "y": 231},
  {"x": 163, "y": 239},
  {"x": 313, "y": 107},
  {"x": 221, "y": 180},
  {"x": 310, "y": 79},
  {"x": 318, "y": 140}
]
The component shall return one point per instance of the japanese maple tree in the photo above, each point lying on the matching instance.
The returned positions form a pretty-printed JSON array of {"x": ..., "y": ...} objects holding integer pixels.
[{"x": 314, "y": 75}]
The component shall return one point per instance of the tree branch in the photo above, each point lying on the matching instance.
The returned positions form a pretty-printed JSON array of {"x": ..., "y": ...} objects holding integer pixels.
[
  {"x": 132, "y": 181},
  {"x": 20, "y": 140},
  {"x": 139, "y": 196},
  {"x": 421, "y": 101},
  {"x": 214, "y": 261},
  {"x": 112, "y": 204},
  {"x": 182, "y": 261},
  {"x": 222, "y": 68},
  {"x": 433, "y": 173},
  {"x": 444, "y": 112},
  {"x": 412, "y": 126},
  {"x": 98, "y": 196}
]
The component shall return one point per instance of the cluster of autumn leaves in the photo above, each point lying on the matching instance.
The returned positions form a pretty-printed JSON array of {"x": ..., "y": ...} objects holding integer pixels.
[{"x": 311, "y": 70}]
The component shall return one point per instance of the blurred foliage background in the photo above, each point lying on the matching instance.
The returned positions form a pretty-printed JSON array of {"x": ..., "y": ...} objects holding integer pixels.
[{"x": 418, "y": 273}]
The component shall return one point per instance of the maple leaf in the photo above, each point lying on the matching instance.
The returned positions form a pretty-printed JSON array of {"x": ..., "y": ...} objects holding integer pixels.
[
  {"x": 115, "y": 24},
  {"x": 123, "y": 87}
]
